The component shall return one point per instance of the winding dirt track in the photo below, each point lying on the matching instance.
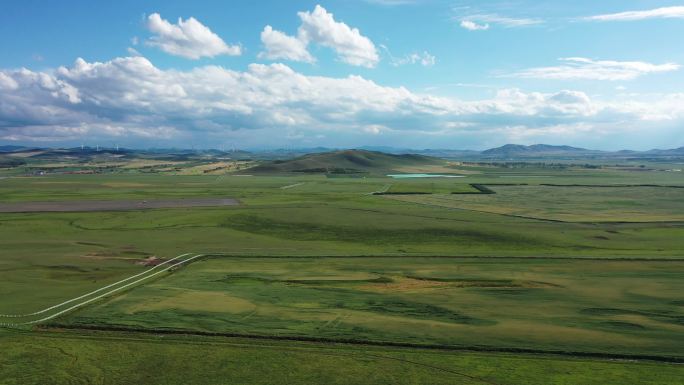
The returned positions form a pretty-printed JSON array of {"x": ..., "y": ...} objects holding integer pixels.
[{"x": 117, "y": 205}]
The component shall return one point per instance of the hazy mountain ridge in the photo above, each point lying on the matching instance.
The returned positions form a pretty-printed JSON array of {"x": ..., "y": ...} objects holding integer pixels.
[{"x": 507, "y": 151}]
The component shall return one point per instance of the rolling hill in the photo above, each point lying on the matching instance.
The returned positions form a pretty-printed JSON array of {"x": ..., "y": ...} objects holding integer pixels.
[{"x": 346, "y": 162}]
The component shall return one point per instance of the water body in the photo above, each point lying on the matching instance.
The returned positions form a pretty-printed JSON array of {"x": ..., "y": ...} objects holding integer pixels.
[{"x": 405, "y": 176}]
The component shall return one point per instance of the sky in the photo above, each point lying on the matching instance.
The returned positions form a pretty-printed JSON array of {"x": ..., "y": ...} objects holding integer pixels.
[{"x": 448, "y": 74}]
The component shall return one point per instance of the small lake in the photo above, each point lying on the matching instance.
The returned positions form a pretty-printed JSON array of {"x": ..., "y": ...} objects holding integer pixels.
[{"x": 404, "y": 176}]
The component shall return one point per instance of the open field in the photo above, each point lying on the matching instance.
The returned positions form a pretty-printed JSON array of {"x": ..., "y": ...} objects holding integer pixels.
[
  {"x": 134, "y": 358},
  {"x": 619, "y": 307},
  {"x": 429, "y": 186},
  {"x": 577, "y": 269},
  {"x": 322, "y": 216},
  {"x": 570, "y": 203}
]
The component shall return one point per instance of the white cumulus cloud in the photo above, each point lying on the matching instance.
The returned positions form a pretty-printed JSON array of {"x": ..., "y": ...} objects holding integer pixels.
[
  {"x": 7, "y": 82},
  {"x": 188, "y": 38},
  {"x": 278, "y": 45},
  {"x": 131, "y": 98},
  {"x": 320, "y": 27}
]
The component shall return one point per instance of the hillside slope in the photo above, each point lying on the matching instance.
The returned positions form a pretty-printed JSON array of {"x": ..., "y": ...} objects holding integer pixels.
[{"x": 347, "y": 161}]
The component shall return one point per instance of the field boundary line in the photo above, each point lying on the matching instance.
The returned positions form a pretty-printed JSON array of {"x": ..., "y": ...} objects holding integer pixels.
[
  {"x": 379, "y": 343},
  {"x": 524, "y": 257},
  {"x": 450, "y": 208},
  {"x": 610, "y": 185}
]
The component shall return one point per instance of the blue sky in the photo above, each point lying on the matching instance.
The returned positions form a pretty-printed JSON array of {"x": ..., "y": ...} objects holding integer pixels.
[{"x": 403, "y": 73}]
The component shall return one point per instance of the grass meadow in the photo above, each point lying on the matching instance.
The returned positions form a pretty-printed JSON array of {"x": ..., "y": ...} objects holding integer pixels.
[
  {"x": 573, "y": 268},
  {"x": 132, "y": 358},
  {"x": 619, "y": 307}
]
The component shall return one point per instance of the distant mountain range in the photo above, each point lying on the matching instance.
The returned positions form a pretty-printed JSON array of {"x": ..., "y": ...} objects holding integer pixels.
[
  {"x": 505, "y": 152},
  {"x": 518, "y": 151},
  {"x": 545, "y": 150},
  {"x": 514, "y": 150},
  {"x": 508, "y": 151}
]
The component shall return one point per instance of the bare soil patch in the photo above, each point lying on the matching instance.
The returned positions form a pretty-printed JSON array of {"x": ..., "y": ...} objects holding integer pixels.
[{"x": 117, "y": 205}]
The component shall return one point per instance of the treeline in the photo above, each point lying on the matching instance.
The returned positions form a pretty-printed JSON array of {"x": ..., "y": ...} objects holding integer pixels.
[{"x": 479, "y": 189}]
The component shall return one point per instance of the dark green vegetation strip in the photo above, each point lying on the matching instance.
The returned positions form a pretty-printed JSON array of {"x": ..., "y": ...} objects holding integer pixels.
[
  {"x": 481, "y": 189},
  {"x": 603, "y": 356},
  {"x": 429, "y": 189},
  {"x": 366, "y": 234},
  {"x": 401, "y": 193},
  {"x": 611, "y": 185}
]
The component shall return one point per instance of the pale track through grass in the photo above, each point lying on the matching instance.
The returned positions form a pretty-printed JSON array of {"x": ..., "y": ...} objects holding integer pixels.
[
  {"x": 292, "y": 185},
  {"x": 383, "y": 189},
  {"x": 145, "y": 275},
  {"x": 88, "y": 294}
]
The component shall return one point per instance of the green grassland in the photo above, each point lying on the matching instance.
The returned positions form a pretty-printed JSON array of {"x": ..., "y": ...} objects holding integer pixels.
[
  {"x": 620, "y": 307},
  {"x": 616, "y": 290},
  {"x": 430, "y": 186},
  {"x": 315, "y": 216},
  {"x": 125, "y": 358},
  {"x": 570, "y": 203}
]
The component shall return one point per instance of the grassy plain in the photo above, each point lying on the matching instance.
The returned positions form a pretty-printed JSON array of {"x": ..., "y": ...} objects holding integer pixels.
[
  {"x": 569, "y": 203},
  {"x": 69, "y": 252},
  {"x": 594, "y": 301},
  {"x": 429, "y": 186},
  {"x": 620, "y": 307},
  {"x": 125, "y": 358}
]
